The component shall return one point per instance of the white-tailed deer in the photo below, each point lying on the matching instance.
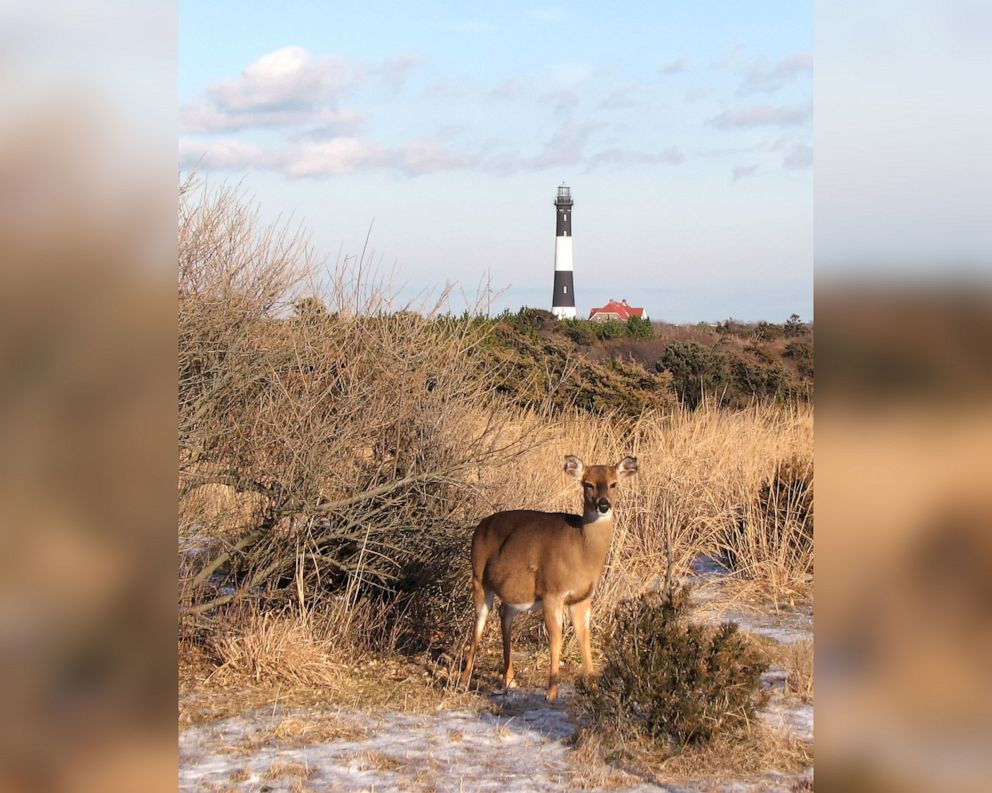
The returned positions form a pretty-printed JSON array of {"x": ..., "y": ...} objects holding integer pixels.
[{"x": 545, "y": 560}]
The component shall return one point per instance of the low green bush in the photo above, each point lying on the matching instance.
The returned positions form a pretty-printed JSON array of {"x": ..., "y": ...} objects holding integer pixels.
[
  {"x": 802, "y": 353},
  {"x": 794, "y": 326},
  {"x": 611, "y": 329},
  {"x": 667, "y": 678},
  {"x": 696, "y": 371},
  {"x": 579, "y": 331},
  {"x": 639, "y": 328}
]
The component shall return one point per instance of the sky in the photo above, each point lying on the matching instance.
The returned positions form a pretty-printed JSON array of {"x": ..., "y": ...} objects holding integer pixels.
[
  {"x": 904, "y": 116},
  {"x": 684, "y": 130}
]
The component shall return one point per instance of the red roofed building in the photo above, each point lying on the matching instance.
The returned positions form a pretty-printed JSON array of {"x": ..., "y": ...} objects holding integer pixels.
[{"x": 621, "y": 311}]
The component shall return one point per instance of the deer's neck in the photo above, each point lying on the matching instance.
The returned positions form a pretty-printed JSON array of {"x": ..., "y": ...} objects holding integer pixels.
[{"x": 598, "y": 531}]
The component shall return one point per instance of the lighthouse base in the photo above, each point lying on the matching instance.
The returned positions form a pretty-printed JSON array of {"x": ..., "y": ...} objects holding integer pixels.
[{"x": 564, "y": 312}]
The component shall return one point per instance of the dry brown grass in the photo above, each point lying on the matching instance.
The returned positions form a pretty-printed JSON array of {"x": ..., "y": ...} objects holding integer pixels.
[
  {"x": 699, "y": 471},
  {"x": 239, "y": 775},
  {"x": 281, "y": 769},
  {"x": 796, "y": 658},
  {"x": 296, "y": 731},
  {"x": 379, "y": 761},
  {"x": 278, "y": 648},
  {"x": 210, "y": 691},
  {"x": 608, "y": 760}
]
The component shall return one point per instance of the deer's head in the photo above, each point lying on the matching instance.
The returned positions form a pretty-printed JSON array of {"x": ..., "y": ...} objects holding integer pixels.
[{"x": 599, "y": 483}]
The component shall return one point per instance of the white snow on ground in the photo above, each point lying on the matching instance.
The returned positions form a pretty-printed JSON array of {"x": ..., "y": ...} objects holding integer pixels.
[
  {"x": 443, "y": 751},
  {"x": 786, "y": 626},
  {"x": 446, "y": 751}
]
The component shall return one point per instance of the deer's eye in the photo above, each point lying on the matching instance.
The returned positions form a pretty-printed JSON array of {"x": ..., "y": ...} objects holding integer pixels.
[
  {"x": 612, "y": 485},
  {"x": 587, "y": 485}
]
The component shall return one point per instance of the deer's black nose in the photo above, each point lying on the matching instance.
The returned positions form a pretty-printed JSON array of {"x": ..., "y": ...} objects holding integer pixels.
[{"x": 603, "y": 505}]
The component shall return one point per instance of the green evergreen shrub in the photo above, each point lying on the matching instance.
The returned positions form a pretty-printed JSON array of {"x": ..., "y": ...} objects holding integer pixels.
[
  {"x": 611, "y": 329},
  {"x": 668, "y": 678},
  {"x": 579, "y": 331},
  {"x": 794, "y": 326},
  {"x": 696, "y": 371},
  {"x": 639, "y": 328}
]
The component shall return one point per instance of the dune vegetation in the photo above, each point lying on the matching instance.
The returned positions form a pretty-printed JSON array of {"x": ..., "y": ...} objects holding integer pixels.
[{"x": 335, "y": 455}]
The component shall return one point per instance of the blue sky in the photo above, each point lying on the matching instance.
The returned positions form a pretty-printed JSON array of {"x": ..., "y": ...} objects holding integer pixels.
[{"x": 684, "y": 130}]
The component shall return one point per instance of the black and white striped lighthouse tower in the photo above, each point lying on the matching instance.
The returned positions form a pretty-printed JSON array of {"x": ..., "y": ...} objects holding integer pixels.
[{"x": 563, "y": 302}]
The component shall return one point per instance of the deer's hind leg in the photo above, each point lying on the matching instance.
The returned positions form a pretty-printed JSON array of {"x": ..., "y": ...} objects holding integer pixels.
[
  {"x": 507, "y": 614},
  {"x": 483, "y": 601}
]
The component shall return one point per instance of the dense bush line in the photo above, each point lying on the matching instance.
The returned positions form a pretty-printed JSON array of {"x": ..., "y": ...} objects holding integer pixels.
[{"x": 627, "y": 367}]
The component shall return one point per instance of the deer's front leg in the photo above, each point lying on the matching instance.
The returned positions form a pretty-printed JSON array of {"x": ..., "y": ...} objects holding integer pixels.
[
  {"x": 553, "y": 614},
  {"x": 581, "y": 612}
]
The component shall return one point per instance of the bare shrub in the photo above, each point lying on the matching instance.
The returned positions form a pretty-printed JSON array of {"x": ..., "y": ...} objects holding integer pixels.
[{"x": 344, "y": 444}]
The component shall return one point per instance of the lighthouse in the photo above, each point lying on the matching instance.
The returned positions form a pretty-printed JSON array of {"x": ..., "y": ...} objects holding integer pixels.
[{"x": 563, "y": 302}]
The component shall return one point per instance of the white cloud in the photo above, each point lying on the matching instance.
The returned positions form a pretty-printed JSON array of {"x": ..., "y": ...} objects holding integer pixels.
[
  {"x": 800, "y": 156},
  {"x": 508, "y": 89},
  {"x": 567, "y": 145},
  {"x": 676, "y": 66},
  {"x": 562, "y": 103},
  {"x": 739, "y": 172},
  {"x": 395, "y": 71},
  {"x": 300, "y": 95},
  {"x": 288, "y": 87},
  {"x": 762, "y": 116},
  {"x": 547, "y": 13},
  {"x": 331, "y": 157},
  {"x": 223, "y": 155},
  {"x": 763, "y": 77},
  {"x": 288, "y": 78},
  {"x": 624, "y": 157}
]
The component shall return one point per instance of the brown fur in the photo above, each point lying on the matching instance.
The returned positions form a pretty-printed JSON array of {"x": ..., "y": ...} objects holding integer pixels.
[{"x": 545, "y": 559}]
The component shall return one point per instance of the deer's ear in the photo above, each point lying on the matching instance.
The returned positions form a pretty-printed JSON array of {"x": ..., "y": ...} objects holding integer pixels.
[
  {"x": 574, "y": 467},
  {"x": 627, "y": 466}
]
